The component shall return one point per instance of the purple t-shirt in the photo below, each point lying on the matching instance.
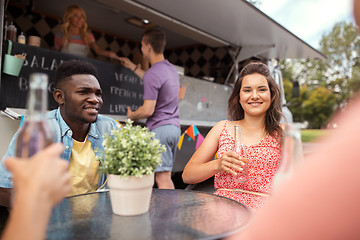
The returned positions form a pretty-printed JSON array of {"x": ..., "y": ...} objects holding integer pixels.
[{"x": 161, "y": 83}]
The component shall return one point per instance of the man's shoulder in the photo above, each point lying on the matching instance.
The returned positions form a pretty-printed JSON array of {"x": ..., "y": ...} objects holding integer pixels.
[
  {"x": 51, "y": 114},
  {"x": 161, "y": 69},
  {"x": 52, "y": 118},
  {"x": 163, "y": 65},
  {"x": 105, "y": 124},
  {"x": 103, "y": 118}
]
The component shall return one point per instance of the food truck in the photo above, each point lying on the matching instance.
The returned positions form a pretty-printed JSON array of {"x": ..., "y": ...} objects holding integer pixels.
[{"x": 207, "y": 40}]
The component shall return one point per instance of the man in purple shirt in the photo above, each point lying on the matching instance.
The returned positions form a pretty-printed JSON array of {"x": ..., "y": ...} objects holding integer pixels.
[{"x": 160, "y": 107}]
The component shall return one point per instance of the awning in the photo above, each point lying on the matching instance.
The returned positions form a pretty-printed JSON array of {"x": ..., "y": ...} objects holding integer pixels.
[{"x": 234, "y": 23}]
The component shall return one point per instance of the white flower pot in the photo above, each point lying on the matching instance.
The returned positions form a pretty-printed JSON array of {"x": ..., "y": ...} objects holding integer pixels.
[{"x": 131, "y": 195}]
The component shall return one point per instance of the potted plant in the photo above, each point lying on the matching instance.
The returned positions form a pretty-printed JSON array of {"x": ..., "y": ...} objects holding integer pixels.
[{"x": 131, "y": 155}]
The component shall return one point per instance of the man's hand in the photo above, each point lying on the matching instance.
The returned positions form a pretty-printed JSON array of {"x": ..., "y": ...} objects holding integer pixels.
[{"x": 129, "y": 113}]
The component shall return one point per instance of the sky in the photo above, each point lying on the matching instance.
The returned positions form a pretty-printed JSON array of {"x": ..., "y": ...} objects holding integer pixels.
[{"x": 308, "y": 19}]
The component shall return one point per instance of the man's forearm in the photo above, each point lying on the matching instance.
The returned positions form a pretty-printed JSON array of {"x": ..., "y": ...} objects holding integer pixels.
[
  {"x": 140, "y": 113},
  {"x": 145, "y": 111},
  {"x": 138, "y": 71}
]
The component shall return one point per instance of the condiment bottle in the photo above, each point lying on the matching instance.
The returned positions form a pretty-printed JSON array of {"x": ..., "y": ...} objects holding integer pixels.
[
  {"x": 35, "y": 133},
  {"x": 11, "y": 32},
  {"x": 21, "y": 38}
]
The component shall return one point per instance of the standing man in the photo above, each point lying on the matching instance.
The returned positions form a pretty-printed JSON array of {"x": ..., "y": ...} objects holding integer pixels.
[
  {"x": 76, "y": 124},
  {"x": 160, "y": 107}
]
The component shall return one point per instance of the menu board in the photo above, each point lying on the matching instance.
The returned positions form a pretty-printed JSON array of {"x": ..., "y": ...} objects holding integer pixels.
[{"x": 121, "y": 87}]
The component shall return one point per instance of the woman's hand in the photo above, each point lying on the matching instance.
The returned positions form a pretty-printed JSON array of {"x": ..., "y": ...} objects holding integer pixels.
[
  {"x": 41, "y": 182},
  {"x": 127, "y": 63},
  {"x": 112, "y": 55},
  {"x": 231, "y": 163}
]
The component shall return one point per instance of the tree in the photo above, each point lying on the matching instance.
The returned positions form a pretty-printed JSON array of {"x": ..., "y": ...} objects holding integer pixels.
[
  {"x": 325, "y": 85},
  {"x": 319, "y": 107},
  {"x": 342, "y": 46}
]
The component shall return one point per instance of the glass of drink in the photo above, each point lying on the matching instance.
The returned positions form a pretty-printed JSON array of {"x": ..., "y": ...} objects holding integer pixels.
[
  {"x": 291, "y": 154},
  {"x": 239, "y": 148}
]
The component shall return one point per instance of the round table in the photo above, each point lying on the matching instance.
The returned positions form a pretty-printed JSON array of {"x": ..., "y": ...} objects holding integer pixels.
[{"x": 173, "y": 214}]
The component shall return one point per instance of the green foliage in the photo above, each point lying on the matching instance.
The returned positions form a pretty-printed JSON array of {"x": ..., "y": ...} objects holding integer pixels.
[
  {"x": 131, "y": 151},
  {"x": 296, "y": 104},
  {"x": 325, "y": 85},
  {"x": 354, "y": 82},
  {"x": 342, "y": 47},
  {"x": 319, "y": 106}
]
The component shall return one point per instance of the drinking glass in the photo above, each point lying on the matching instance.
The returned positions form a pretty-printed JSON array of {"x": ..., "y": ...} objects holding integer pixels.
[
  {"x": 291, "y": 154},
  {"x": 239, "y": 148}
]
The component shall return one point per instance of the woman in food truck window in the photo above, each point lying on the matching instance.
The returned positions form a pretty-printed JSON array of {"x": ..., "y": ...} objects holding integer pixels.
[{"x": 75, "y": 38}]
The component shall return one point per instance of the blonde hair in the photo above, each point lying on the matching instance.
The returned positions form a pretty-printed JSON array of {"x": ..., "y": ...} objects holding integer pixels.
[{"x": 65, "y": 27}]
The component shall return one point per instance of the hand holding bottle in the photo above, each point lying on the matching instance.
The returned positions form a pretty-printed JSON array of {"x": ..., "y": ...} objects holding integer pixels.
[{"x": 231, "y": 163}]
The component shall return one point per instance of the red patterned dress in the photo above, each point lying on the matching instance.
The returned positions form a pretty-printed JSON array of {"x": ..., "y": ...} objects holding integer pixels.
[{"x": 263, "y": 158}]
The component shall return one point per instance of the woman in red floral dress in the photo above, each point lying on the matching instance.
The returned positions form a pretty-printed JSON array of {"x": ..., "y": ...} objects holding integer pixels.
[{"x": 254, "y": 105}]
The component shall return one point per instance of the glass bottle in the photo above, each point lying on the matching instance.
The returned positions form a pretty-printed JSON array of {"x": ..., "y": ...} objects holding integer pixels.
[
  {"x": 291, "y": 154},
  {"x": 239, "y": 148},
  {"x": 35, "y": 133}
]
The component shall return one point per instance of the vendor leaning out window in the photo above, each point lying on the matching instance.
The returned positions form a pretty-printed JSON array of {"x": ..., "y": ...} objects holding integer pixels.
[{"x": 75, "y": 38}]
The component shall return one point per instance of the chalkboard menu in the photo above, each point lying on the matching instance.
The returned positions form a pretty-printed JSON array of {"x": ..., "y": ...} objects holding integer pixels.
[{"x": 120, "y": 86}]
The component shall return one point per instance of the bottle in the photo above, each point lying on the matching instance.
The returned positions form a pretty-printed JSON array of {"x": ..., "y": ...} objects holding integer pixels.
[
  {"x": 5, "y": 30},
  {"x": 291, "y": 154},
  {"x": 11, "y": 32},
  {"x": 35, "y": 133},
  {"x": 21, "y": 38},
  {"x": 239, "y": 147}
]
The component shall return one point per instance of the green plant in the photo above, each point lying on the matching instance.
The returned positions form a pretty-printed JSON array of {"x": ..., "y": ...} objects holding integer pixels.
[{"x": 131, "y": 151}]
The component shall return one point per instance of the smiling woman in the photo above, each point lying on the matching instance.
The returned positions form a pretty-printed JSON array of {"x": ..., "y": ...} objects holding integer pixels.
[{"x": 255, "y": 106}]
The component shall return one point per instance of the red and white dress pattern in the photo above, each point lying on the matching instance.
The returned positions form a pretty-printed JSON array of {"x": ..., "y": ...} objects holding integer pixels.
[{"x": 263, "y": 158}]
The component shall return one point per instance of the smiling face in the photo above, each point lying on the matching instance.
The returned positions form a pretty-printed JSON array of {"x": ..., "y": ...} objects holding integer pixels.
[
  {"x": 79, "y": 99},
  {"x": 77, "y": 18},
  {"x": 255, "y": 96}
]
